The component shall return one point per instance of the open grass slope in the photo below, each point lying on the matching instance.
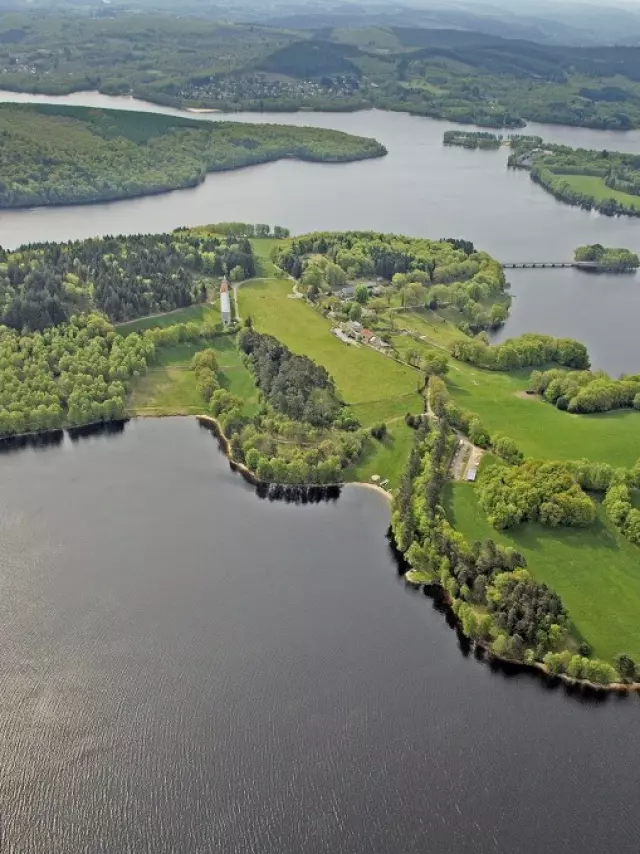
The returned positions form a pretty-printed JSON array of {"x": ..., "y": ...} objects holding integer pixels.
[
  {"x": 595, "y": 570},
  {"x": 169, "y": 387},
  {"x": 538, "y": 428}
]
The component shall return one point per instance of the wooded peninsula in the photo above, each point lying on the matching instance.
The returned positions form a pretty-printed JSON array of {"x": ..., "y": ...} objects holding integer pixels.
[
  {"x": 60, "y": 155},
  {"x": 359, "y": 356}
]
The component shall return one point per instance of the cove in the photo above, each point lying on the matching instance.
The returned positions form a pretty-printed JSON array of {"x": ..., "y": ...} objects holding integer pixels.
[
  {"x": 187, "y": 667},
  {"x": 420, "y": 188}
]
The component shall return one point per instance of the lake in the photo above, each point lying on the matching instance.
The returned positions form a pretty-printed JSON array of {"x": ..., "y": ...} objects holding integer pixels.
[
  {"x": 420, "y": 188},
  {"x": 187, "y": 668}
]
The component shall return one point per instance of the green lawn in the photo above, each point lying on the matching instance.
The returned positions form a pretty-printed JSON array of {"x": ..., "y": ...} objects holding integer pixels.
[
  {"x": 539, "y": 429},
  {"x": 169, "y": 387},
  {"x": 595, "y": 570},
  {"x": 596, "y": 187},
  {"x": 378, "y": 388},
  {"x": 193, "y": 313}
]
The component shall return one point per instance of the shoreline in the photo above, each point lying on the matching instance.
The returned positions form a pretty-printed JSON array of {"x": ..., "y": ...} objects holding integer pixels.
[{"x": 536, "y": 668}]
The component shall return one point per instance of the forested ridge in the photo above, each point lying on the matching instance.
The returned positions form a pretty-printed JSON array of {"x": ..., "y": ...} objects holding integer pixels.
[
  {"x": 56, "y": 155},
  {"x": 126, "y": 277},
  {"x": 461, "y": 76}
]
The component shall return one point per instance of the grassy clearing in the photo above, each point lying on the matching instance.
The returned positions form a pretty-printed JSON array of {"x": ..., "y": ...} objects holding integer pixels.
[
  {"x": 193, "y": 314},
  {"x": 262, "y": 250},
  {"x": 539, "y": 429},
  {"x": 169, "y": 387},
  {"x": 596, "y": 187},
  {"x": 378, "y": 388},
  {"x": 595, "y": 570}
]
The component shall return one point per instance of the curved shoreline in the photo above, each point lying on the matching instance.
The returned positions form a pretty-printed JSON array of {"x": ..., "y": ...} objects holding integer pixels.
[{"x": 536, "y": 668}]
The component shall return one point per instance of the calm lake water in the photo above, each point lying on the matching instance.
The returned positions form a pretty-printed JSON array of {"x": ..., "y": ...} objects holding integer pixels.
[
  {"x": 186, "y": 668},
  {"x": 419, "y": 188}
]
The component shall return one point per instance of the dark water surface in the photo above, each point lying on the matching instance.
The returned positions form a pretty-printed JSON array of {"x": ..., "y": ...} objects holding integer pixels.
[
  {"x": 421, "y": 188},
  {"x": 187, "y": 668}
]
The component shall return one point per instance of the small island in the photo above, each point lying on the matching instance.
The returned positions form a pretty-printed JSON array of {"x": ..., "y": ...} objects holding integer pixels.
[
  {"x": 606, "y": 259},
  {"x": 96, "y": 155},
  {"x": 472, "y": 139}
]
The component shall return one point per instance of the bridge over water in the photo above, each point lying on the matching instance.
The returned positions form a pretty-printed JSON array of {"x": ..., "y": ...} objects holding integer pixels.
[{"x": 521, "y": 265}]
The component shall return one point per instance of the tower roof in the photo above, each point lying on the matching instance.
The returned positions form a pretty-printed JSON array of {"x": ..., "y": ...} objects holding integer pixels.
[{"x": 224, "y": 286}]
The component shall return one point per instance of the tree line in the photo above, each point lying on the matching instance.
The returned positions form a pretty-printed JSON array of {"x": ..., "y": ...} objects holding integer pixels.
[
  {"x": 528, "y": 350},
  {"x": 582, "y": 392}
]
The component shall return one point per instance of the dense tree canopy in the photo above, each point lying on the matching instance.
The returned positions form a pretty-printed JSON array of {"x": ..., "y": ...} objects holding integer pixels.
[
  {"x": 73, "y": 374},
  {"x": 56, "y": 155},
  {"x": 608, "y": 258},
  {"x": 535, "y": 491},
  {"x": 42, "y": 285}
]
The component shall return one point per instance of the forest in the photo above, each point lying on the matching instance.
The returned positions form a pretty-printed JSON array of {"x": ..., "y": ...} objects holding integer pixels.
[
  {"x": 293, "y": 385},
  {"x": 446, "y": 73},
  {"x": 301, "y": 433},
  {"x": 57, "y": 155},
  {"x": 79, "y": 372},
  {"x": 125, "y": 277}
]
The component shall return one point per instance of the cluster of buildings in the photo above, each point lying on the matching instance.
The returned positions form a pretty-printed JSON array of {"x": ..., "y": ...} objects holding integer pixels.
[
  {"x": 348, "y": 293},
  {"x": 353, "y": 332}
]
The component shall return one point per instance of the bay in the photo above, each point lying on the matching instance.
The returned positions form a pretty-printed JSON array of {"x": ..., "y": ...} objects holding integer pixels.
[{"x": 188, "y": 668}]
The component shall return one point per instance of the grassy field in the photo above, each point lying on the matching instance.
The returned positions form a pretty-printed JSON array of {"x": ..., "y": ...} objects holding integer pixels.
[
  {"x": 169, "y": 387},
  {"x": 596, "y": 187},
  {"x": 539, "y": 429},
  {"x": 193, "y": 313},
  {"x": 595, "y": 571}
]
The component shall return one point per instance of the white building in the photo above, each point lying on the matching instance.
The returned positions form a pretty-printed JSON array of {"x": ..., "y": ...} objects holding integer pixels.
[{"x": 225, "y": 302}]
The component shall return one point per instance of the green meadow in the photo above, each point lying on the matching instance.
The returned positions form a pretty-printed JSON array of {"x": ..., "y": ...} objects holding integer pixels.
[{"x": 538, "y": 428}]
